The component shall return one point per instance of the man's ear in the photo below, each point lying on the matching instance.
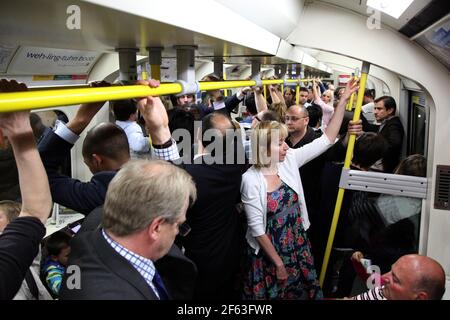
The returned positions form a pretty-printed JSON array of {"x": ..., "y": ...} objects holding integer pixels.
[
  {"x": 422, "y": 295},
  {"x": 97, "y": 160},
  {"x": 390, "y": 112},
  {"x": 154, "y": 228}
]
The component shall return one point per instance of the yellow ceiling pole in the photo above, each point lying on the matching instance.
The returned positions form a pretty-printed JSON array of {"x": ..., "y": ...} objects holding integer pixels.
[
  {"x": 28, "y": 100},
  {"x": 53, "y": 97},
  {"x": 348, "y": 159}
]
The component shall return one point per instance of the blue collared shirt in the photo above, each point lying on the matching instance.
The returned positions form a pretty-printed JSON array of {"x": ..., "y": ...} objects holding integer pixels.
[{"x": 144, "y": 266}]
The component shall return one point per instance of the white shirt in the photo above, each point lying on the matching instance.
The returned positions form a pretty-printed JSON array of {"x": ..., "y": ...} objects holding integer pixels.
[{"x": 139, "y": 144}]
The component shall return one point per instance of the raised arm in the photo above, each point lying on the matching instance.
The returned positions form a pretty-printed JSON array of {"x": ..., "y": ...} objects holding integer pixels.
[
  {"x": 260, "y": 101},
  {"x": 157, "y": 124},
  {"x": 334, "y": 125},
  {"x": 86, "y": 112},
  {"x": 316, "y": 92},
  {"x": 35, "y": 191},
  {"x": 19, "y": 243}
]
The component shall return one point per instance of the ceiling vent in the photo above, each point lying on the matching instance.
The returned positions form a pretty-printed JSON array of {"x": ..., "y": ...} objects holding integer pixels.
[{"x": 442, "y": 196}]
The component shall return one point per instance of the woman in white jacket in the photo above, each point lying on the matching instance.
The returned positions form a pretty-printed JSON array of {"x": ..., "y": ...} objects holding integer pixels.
[{"x": 273, "y": 197}]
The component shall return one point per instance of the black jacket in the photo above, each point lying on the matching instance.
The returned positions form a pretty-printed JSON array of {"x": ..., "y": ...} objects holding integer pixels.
[
  {"x": 71, "y": 193},
  {"x": 393, "y": 132},
  {"x": 216, "y": 239}
]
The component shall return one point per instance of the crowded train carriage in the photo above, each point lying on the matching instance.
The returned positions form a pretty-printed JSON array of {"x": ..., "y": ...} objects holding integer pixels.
[{"x": 290, "y": 150}]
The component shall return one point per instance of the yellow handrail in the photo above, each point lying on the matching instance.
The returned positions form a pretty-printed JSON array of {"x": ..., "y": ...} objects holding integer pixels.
[
  {"x": 348, "y": 159},
  {"x": 46, "y": 98}
]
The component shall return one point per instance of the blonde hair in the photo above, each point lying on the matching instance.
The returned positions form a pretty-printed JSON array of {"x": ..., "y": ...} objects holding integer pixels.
[
  {"x": 331, "y": 93},
  {"x": 144, "y": 190},
  {"x": 262, "y": 137},
  {"x": 11, "y": 209}
]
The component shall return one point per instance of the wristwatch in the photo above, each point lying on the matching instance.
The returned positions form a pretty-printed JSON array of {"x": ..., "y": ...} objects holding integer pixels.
[{"x": 164, "y": 145}]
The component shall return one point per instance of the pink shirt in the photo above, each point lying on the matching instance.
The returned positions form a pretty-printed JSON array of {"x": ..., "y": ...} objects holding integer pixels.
[{"x": 327, "y": 111}]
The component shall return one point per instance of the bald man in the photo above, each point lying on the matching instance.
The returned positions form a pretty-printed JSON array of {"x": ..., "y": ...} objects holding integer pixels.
[{"x": 412, "y": 277}]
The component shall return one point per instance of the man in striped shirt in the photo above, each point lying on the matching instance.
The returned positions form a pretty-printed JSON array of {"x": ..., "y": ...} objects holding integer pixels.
[{"x": 412, "y": 277}]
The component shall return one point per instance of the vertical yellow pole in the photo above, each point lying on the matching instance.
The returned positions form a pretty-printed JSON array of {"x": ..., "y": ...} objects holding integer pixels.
[
  {"x": 225, "y": 92},
  {"x": 297, "y": 94},
  {"x": 282, "y": 89},
  {"x": 155, "y": 71},
  {"x": 348, "y": 159},
  {"x": 265, "y": 92}
]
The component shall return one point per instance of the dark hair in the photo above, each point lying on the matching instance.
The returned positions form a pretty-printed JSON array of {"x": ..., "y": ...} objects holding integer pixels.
[
  {"x": 369, "y": 148},
  {"x": 36, "y": 125},
  {"x": 179, "y": 118},
  {"x": 56, "y": 242},
  {"x": 106, "y": 139},
  {"x": 389, "y": 103},
  {"x": 305, "y": 89},
  {"x": 370, "y": 93},
  {"x": 315, "y": 115},
  {"x": 209, "y": 122},
  {"x": 249, "y": 102},
  {"x": 123, "y": 109},
  {"x": 414, "y": 165}
]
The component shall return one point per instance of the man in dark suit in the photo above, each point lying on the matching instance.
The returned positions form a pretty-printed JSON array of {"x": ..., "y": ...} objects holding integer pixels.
[
  {"x": 145, "y": 204},
  {"x": 216, "y": 239},
  {"x": 391, "y": 129}
]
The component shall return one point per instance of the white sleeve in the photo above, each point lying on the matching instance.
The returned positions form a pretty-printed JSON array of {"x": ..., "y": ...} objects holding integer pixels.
[
  {"x": 311, "y": 150},
  {"x": 250, "y": 196},
  {"x": 138, "y": 142},
  {"x": 65, "y": 133}
]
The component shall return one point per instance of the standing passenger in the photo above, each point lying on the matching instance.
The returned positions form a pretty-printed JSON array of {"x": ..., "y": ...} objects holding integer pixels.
[
  {"x": 277, "y": 217},
  {"x": 125, "y": 112},
  {"x": 145, "y": 204}
]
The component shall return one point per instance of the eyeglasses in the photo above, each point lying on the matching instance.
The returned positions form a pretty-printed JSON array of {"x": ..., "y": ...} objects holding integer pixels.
[
  {"x": 287, "y": 118},
  {"x": 184, "y": 229}
]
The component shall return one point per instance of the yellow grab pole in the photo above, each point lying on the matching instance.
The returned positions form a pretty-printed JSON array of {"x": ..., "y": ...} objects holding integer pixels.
[
  {"x": 225, "y": 93},
  {"x": 52, "y": 97},
  {"x": 27, "y": 100},
  {"x": 297, "y": 94},
  {"x": 282, "y": 89},
  {"x": 265, "y": 92},
  {"x": 348, "y": 159}
]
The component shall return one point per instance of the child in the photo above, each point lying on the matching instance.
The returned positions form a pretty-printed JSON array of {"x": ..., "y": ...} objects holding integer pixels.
[{"x": 58, "y": 248}]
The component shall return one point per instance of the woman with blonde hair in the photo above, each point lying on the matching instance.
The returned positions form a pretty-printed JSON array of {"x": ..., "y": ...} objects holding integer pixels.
[
  {"x": 277, "y": 218},
  {"x": 325, "y": 102}
]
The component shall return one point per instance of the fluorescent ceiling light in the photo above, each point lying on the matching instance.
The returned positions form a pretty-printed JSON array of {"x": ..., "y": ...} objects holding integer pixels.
[{"x": 394, "y": 8}]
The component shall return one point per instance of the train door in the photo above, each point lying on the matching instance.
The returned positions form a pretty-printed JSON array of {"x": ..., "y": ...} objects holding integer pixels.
[{"x": 417, "y": 124}]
